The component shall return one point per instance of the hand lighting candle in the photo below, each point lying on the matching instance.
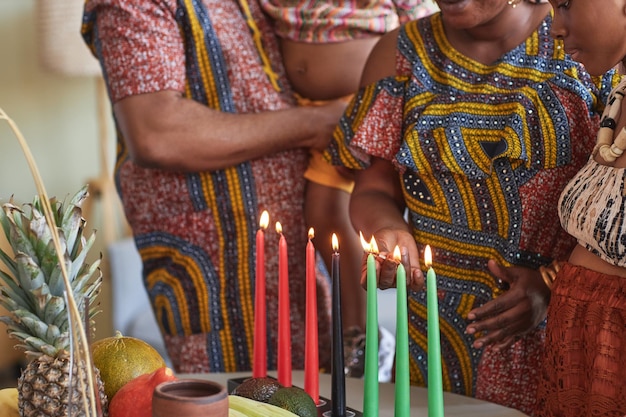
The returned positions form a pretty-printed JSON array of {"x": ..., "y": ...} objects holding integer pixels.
[
  {"x": 311, "y": 363},
  {"x": 338, "y": 390},
  {"x": 284, "y": 319},
  {"x": 435, "y": 387},
  {"x": 370, "y": 394},
  {"x": 259, "y": 368},
  {"x": 402, "y": 394}
]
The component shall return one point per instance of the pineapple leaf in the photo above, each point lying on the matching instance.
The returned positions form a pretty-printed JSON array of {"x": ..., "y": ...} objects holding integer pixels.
[
  {"x": 18, "y": 237},
  {"x": 55, "y": 308},
  {"x": 56, "y": 283},
  {"x": 8, "y": 303},
  {"x": 62, "y": 341},
  {"x": 41, "y": 240},
  {"x": 72, "y": 222},
  {"x": 84, "y": 279},
  {"x": 14, "y": 293},
  {"x": 8, "y": 321},
  {"x": 79, "y": 258},
  {"x": 53, "y": 333},
  {"x": 32, "y": 275},
  {"x": 32, "y": 323},
  {"x": 8, "y": 260},
  {"x": 35, "y": 290},
  {"x": 35, "y": 345}
]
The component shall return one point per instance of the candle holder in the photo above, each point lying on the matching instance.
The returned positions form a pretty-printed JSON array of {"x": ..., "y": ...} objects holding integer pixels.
[{"x": 324, "y": 407}]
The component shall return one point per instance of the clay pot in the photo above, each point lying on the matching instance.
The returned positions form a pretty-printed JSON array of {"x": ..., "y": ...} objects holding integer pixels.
[{"x": 190, "y": 398}]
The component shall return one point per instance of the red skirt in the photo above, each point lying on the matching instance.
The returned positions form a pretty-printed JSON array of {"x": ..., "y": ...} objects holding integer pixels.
[{"x": 584, "y": 366}]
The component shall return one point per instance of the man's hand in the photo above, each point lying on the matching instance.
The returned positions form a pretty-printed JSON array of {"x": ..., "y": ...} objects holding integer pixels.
[{"x": 520, "y": 309}]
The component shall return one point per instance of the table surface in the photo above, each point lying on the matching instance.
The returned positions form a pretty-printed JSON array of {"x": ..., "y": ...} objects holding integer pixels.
[{"x": 454, "y": 404}]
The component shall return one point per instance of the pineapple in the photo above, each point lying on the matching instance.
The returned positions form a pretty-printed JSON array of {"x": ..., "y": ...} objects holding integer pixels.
[{"x": 33, "y": 292}]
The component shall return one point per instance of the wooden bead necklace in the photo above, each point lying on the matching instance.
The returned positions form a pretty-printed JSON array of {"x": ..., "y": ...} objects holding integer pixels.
[{"x": 610, "y": 149}]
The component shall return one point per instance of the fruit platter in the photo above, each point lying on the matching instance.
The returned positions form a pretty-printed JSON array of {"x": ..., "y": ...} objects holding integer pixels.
[
  {"x": 269, "y": 390},
  {"x": 118, "y": 376}
]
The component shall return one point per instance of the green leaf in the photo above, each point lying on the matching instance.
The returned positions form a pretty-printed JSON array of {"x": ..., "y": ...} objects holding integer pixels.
[
  {"x": 35, "y": 326},
  {"x": 29, "y": 274},
  {"x": 14, "y": 292},
  {"x": 55, "y": 307}
]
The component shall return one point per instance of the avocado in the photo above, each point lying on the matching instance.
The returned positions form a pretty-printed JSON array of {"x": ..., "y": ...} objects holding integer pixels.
[
  {"x": 259, "y": 389},
  {"x": 296, "y": 400}
]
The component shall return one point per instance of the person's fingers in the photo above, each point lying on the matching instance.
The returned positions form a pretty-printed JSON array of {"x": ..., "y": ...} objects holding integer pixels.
[
  {"x": 494, "y": 307},
  {"x": 505, "y": 343},
  {"x": 497, "y": 328},
  {"x": 387, "y": 277},
  {"x": 501, "y": 273},
  {"x": 417, "y": 282}
]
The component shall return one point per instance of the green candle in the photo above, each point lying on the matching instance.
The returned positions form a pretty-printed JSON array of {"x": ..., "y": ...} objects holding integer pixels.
[
  {"x": 435, "y": 387},
  {"x": 403, "y": 394},
  {"x": 370, "y": 393}
]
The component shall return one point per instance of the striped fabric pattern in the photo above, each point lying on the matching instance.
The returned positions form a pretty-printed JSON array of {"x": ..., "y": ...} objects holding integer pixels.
[
  {"x": 323, "y": 21},
  {"x": 196, "y": 231},
  {"x": 482, "y": 152}
]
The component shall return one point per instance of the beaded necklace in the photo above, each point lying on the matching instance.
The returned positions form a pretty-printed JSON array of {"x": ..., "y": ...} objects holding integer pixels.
[{"x": 610, "y": 149}]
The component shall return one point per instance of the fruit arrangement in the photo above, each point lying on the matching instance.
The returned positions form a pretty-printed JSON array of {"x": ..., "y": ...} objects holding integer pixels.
[
  {"x": 134, "y": 399},
  {"x": 268, "y": 393},
  {"x": 121, "y": 359},
  {"x": 33, "y": 292}
]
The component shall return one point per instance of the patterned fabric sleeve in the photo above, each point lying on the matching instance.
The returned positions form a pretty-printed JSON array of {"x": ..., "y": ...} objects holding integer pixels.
[
  {"x": 148, "y": 30},
  {"x": 371, "y": 125}
]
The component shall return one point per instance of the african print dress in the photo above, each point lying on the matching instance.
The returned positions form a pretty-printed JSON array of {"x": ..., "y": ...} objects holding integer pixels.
[
  {"x": 483, "y": 152},
  {"x": 196, "y": 231}
]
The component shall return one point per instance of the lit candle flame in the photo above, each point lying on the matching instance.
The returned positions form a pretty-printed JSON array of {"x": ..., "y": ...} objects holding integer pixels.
[
  {"x": 311, "y": 233},
  {"x": 265, "y": 220},
  {"x": 396, "y": 254},
  {"x": 335, "y": 243},
  {"x": 428, "y": 257},
  {"x": 370, "y": 247},
  {"x": 279, "y": 228}
]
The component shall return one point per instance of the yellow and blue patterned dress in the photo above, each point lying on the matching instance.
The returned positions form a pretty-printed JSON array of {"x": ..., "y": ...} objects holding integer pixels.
[{"x": 482, "y": 152}]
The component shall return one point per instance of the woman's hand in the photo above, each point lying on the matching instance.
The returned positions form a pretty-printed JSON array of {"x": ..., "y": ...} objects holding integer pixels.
[
  {"x": 386, "y": 265},
  {"x": 520, "y": 309}
]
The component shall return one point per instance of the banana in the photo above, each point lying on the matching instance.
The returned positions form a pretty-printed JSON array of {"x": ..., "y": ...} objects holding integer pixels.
[
  {"x": 8, "y": 403},
  {"x": 253, "y": 408},
  {"x": 234, "y": 413}
]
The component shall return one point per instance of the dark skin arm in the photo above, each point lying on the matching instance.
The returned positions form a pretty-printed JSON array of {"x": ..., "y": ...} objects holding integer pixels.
[
  {"x": 377, "y": 204},
  {"x": 376, "y": 208},
  {"x": 164, "y": 130}
]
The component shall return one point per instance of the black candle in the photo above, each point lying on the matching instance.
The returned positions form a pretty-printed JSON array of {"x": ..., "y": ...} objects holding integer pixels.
[{"x": 338, "y": 396}]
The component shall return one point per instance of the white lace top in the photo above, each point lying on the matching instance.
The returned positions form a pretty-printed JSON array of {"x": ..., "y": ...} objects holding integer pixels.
[{"x": 592, "y": 208}]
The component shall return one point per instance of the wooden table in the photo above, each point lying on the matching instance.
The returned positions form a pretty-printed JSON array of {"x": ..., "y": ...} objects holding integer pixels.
[{"x": 454, "y": 405}]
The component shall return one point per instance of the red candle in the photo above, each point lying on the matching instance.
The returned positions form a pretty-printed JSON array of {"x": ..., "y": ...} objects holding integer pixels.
[
  {"x": 259, "y": 364},
  {"x": 284, "y": 319},
  {"x": 311, "y": 363}
]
